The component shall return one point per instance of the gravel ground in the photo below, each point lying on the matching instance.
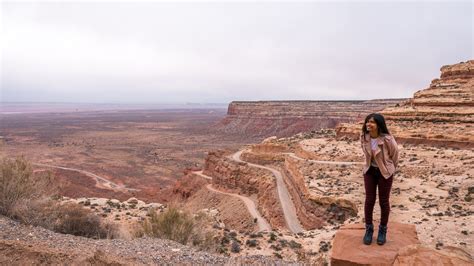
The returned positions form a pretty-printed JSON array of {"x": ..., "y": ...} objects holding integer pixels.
[{"x": 21, "y": 244}]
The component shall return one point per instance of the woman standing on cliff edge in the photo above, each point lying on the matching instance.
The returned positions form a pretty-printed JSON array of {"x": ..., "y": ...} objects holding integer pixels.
[{"x": 381, "y": 160}]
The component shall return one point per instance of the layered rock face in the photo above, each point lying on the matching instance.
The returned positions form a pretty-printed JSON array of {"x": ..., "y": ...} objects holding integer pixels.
[
  {"x": 243, "y": 179},
  {"x": 286, "y": 118},
  {"x": 314, "y": 211},
  {"x": 438, "y": 115}
]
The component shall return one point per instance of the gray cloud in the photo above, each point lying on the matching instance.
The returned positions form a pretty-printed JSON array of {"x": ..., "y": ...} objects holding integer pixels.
[{"x": 218, "y": 52}]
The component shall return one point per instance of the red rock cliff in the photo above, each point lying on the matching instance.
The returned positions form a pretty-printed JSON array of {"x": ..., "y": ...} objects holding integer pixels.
[
  {"x": 314, "y": 211},
  {"x": 286, "y": 118},
  {"x": 440, "y": 115},
  {"x": 243, "y": 179}
]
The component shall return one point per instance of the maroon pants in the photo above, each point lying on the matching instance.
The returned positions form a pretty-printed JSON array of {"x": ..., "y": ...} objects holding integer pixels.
[{"x": 373, "y": 179}]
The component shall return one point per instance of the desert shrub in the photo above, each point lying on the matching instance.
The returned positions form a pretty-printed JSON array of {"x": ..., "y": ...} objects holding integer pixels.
[
  {"x": 114, "y": 231},
  {"x": 182, "y": 227},
  {"x": 235, "y": 247},
  {"x": 28, "y": 198},
  {"x": 293, "y": 244},
  {"x": 171, "y": 224},
  {"x": 18, "y": 184},
  {"x": 72, "y": 218},
  {"x": 35, "y": 212},
  {"x": 251, "y": 242},
  {"x": 278, "y": 255},
  {"x": 273, "y": 237}
]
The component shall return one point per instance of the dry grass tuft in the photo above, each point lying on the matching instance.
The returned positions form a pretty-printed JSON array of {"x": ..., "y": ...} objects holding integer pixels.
[
  {"x": 171, "y": 224},
  {"x": 182, "y": 227}
]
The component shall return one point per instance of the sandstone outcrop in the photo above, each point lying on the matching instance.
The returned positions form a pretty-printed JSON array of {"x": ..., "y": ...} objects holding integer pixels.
[
  {"x": 232, "y": 212},
  {"x": 348, "y": 249},
  {"x": 441, "y": 115},
  {"x": 313, "y": 211},
  {"x": 241, "y": 179},
  {"x": 265, "y": 153},
  {"x": 286, "y": 118}
]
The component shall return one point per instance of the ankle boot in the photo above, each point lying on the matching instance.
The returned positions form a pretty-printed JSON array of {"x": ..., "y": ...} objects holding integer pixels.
[
  {"x": 382, "y": 236},
  {"x": 369, "y": 232}
]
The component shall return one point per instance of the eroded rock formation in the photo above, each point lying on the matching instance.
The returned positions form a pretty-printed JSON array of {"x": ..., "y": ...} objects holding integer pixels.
[
  {"x": 441, "y": 115},
  {"x": 314, "y": 211},
  {"x": 242, "y": 179},
  {"x": 265, "y": 153},
  {"x": 286, "y": 118}
]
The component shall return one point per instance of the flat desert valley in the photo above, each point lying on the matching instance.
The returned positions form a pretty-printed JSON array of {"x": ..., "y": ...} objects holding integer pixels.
[{"x": 127, "y": 150}]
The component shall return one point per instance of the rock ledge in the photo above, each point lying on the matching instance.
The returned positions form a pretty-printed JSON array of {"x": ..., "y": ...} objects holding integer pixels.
[{"x": 348, "y": 248}]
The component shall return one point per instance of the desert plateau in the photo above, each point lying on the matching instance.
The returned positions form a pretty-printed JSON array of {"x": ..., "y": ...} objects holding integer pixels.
[{"x": 265, "y": 182}]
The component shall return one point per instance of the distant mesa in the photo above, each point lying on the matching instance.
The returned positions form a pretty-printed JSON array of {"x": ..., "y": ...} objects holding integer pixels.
[
  {"x": 286, "y": 118},
  {"x": 440, "y": 115}
]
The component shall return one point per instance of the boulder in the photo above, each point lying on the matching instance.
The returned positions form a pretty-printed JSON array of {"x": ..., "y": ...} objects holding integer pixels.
[
  {"x": 132, "y": 201},
  {"x": 348, "y": 249}
]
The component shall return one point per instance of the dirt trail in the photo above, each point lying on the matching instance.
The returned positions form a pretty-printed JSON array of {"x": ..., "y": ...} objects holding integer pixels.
[
  {"x": 289, "y": 209},
  {"x": 101, "y": 182},
  {"x": 263, "y": 225},
  {"x": 199, "y": 173}
]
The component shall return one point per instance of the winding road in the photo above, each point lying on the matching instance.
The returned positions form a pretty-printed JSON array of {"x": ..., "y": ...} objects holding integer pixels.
[
  {"x": 289, "y": 209},
  {"x": 101, "y": 181},
  {"x": 262, "y": 224},
  {"x": 199, "y": 173}
]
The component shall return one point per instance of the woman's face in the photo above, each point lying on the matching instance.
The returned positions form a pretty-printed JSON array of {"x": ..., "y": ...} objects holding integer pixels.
[{"x": 371, "y": 125}]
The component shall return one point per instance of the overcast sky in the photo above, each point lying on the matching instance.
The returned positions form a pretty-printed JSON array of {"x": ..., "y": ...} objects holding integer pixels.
[{"x": 164, "y": 52}]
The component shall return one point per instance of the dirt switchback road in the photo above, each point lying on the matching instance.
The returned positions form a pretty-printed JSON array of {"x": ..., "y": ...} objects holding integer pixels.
[
  {"x": 101, "y": 182},
  {"x": 262, "y": 224},
  {"x": 287, "y": 205}
]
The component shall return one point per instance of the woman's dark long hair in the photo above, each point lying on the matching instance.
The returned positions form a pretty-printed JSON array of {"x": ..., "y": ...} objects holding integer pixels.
[{"x": 379, "y": 120}]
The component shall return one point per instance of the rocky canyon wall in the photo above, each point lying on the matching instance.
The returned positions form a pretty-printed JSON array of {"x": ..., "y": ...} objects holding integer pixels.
[
  {"x": 250, "y": 181},
  {"x": 314, "y": 211},
  {"x": 286, "y": 118},
  {"x": 440, "y": 115}
]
